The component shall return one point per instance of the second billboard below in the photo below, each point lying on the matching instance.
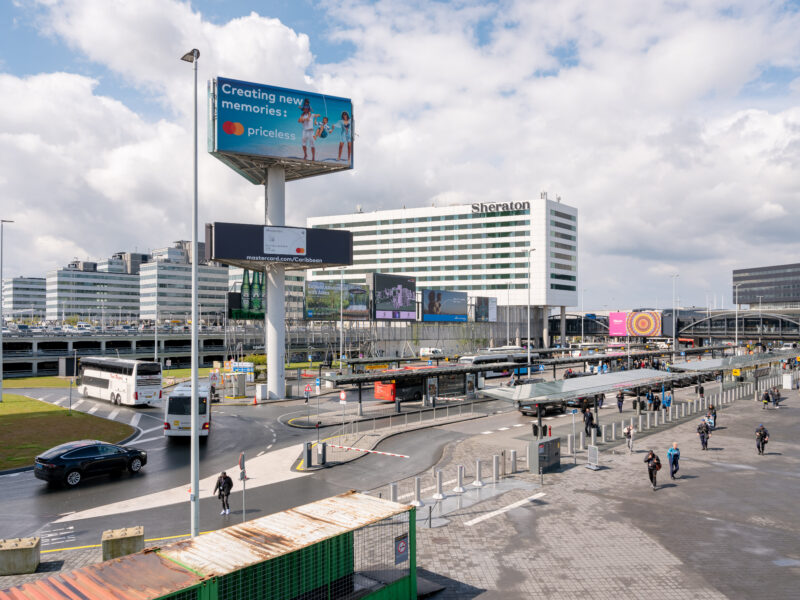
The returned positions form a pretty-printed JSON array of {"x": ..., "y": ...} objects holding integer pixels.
[
  {"x": 394, "y": 297},
  {"x": 443, "y": 305}
]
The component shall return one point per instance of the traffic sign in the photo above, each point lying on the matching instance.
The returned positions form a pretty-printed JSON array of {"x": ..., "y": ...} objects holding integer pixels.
[
  {"x": 308, "y": 387},
  {"x": 683, "y": 353},
  {"x": 401, "y": 549},
  {"x": 309, "y": 358},
  {"x": 342, "y": 397},
  {"x": 541, "y": 367},
  {"x": 574, "y": 411},
  {"x": 241, "y": 461},
  {"x": 317, "y": 384},
  {"x": 430, "y": 362}
]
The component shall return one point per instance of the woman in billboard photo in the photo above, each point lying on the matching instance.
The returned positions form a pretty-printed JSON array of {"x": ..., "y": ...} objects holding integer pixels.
[
  {"x": 345, "y": 135},
  {"x": 308, "y": 119}
]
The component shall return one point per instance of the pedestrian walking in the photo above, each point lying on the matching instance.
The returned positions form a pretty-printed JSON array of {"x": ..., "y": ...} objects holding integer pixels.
[
  {"x": 673, "y": 456},
  {"x": 223, "y": 490},
  {"x": 600, "y": 399},
  {"x": 762, "y": 437},
  {"x": 653, "y": 467},
  {"x": 620, "y": 398},
  {"x": 704, "y": 432},
  {"x": 765, "y": 400},
  {"x": 656, "y": 403},
  {"x": 702, "y": 391},
  {"x": 667, "y": 400},
  {"x": 713, "y": 413},
  {"x": 628, "y": 432},
  {"x": 588, "y": 422}
]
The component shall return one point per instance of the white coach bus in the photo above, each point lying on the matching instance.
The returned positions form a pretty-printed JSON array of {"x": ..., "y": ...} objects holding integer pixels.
[{"x": 120, "y": 380}]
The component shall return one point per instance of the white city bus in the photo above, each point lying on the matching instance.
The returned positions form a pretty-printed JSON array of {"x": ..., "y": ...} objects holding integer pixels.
[
  {"x": 178, "y": 415},
  {"x": 120, "y": 380}
]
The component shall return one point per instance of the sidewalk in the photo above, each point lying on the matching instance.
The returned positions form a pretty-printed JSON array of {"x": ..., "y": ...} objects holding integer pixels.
[{"x": 725, "y": 529}]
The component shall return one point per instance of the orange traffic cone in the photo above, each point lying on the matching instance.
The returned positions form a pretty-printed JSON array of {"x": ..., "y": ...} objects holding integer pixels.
[{"x": 255, "y": 401}]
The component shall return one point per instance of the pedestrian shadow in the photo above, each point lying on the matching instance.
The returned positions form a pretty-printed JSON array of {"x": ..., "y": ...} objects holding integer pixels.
[
  {"x": 666, "y": 485},
  {"x": 687, "y": 477},
  {"x": 773, "y": 453},
  {"x": 716, "y": 449}
]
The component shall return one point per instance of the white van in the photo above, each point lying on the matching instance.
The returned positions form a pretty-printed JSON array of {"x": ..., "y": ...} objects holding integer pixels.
[
  {"x": 177, "y": 411},
  {"x": 423, "y": 352}
]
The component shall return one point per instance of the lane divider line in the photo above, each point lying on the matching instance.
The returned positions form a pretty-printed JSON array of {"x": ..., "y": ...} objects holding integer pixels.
[{"x": 368, "y": 451}]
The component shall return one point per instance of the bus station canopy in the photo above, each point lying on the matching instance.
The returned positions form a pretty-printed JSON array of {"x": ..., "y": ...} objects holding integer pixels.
[
  {"x": 397, "y": 359},
  {"x": 728, "y": 363},
  {"x": 581, "y": 387},
  {"x": 417, "y": 372},
  {"x": 639, "y": 354}
]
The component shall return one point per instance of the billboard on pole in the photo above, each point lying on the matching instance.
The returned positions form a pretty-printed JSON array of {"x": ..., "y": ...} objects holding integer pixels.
[
  {"x": 485, "y": 309},
  {"x": 443, "y": 305},
  {"x": 322, "y": 301},
  {"x": 252, "y": 125},
  {"x": 394, "y": 297},
  {"x": 645, "y": 323}
]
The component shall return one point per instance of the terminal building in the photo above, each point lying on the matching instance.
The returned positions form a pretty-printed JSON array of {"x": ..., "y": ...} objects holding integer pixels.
[
  {"x": 774, "y": 287},
  {"x": 24, "y": 298},
  {"x": 507, "y": 250}
]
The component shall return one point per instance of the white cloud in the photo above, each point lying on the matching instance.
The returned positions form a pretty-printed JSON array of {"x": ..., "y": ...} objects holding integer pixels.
[{"x": 629, "y": 110}]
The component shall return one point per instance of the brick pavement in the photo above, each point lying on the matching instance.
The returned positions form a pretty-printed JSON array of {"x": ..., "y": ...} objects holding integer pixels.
[{"x": 607, "y": 535}]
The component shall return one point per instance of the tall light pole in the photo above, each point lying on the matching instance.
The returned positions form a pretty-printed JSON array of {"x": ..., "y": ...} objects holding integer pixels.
[
  {"x": 583, "y": 314},
  {"x": 2, "y": 322},
  {"x": 530, "y": 260},
  {"x": 194, "y": 497},
  {"x": 341, "y": 323},
  {"x": 508, "y": 312},
  {"x": 674, "y": 319},
  {"x": 760, "y": 319},
  {"x": 736, "y": 324}
]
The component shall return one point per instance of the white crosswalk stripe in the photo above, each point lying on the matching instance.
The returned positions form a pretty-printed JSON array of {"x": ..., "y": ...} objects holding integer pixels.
[
  {"x": 93, "y": 410},
  {"x": 113, "y": 414},
  {"x": 135, "y": 419}
]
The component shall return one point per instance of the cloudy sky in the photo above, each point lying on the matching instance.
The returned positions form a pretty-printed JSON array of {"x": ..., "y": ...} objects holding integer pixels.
[{"x": 674, "y": 127}]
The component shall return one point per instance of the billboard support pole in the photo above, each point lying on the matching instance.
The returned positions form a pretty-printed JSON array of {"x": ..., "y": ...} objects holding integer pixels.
[{"x": 275, "y": 209}]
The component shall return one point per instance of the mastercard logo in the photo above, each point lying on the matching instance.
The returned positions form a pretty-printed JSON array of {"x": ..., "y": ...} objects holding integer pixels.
[{"x": 232, "y": 128}]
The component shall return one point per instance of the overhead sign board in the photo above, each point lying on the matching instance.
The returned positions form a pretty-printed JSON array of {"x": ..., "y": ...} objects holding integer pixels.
[
  {"x": 251, "y": 246},
  {"x": 253, "y": 126}
]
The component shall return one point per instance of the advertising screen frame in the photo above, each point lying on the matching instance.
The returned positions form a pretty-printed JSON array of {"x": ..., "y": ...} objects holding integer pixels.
[
  {"x": 443, "y": 297},
  {"x": 485, "y": 305},
  {"x": 333, "y": 287},
  {"x": 252, "y": 126},
  {"x": 624, "y": 324},
  {"x": 617, "y": 324},
  {"x": 379, "y": 282}
]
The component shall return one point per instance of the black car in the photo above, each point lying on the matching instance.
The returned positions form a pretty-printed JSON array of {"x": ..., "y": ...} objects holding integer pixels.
[{"x": 69, "y": 463}]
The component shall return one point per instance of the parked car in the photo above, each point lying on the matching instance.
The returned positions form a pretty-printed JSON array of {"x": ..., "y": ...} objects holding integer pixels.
[{"x": 69, "y": 463}]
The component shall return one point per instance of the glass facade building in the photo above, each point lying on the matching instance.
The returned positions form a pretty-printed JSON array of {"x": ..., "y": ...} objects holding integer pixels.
[{"x": 772, "y": 287}]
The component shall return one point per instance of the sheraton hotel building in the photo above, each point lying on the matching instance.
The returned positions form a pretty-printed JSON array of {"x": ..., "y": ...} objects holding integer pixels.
[{"x": 485, "y": 249}]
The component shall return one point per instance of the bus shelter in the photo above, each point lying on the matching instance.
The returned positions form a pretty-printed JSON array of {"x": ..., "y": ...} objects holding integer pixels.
[
  {"x": 537, "y": 396},
  {"x": 748, "y": 367},
  {"x": 431, "y": 376},
  {"x": 360, "y": 365}
]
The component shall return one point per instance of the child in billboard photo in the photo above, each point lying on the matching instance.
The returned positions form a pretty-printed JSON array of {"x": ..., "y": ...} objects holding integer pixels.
[
  {"x": 324, "y": 129},
  {"x": 308, "y": 119},
  {"x": 345, "y": 135},
  {"x": 434, "y": 303}
]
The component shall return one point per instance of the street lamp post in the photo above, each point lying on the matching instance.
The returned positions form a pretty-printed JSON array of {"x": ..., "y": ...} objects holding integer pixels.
[
  {"x": 736, "y": 324},
  {"x": 583, "y": 314},
  {"x": 530, "y": 260},
  {"x": 760, "y": 320},
  {"x": 194, "y": 496},
  {"x": 674, "y": 320},
  {"x": 2, "y": 322}
]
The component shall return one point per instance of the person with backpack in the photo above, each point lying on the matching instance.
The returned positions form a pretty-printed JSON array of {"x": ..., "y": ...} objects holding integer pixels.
[
  {"x": 223, "y": 490},
  {"x": 673, "y": 456},
  {"x": 702, "y": 391},
  {"x": 765, "y": 400},
  {"x": 704, "y": 432},
  {"x": 762, "y": 437},
  {"x": 653, "y": 467},
  {"x": 620, "y": 398}
]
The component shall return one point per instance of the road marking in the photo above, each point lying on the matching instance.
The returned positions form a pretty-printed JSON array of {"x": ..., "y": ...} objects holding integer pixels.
[
  {"x": 151, "y": 429},
  {"x": 93, "y": 410},
  {"x": 260, "y": 453},
  {"x": 136, "y": 418},
  {"x": 486, "y": 432},
  {"x": 500, "y": 511},
  {"x": 504, "y": 429},
  {"x": 151, "y": 439},
  {"x": 77, "y": 404},
  {"x": 519, "y": 425},
  {"x": 58, "y": 402},
  {"x": 268, "y": 447},
  {"x": 113, "y": 414}
]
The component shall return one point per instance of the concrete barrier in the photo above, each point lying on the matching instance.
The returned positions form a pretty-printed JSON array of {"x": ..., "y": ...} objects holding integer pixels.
[
  {"x": 19, "y": 555},
  {"x": 121, "y": 542}
]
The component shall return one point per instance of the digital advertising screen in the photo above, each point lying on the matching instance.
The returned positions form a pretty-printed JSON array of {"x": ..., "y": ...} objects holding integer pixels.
[
  {"x": 485, "y": 309},
  {"x": 322, "y": 301},
  {"x": 634, "y": 324},
  {"x": 394, "y": 297},
  {"x": 443, "y": 305},
  {"x": 263, "y": 121}
]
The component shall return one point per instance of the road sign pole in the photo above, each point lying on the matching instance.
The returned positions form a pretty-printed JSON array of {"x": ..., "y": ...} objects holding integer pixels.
[{"x": 574, "y": 449}]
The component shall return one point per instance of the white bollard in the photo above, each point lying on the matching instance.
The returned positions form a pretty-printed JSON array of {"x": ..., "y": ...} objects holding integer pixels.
[
  {"x": 594, "y": 436},
  {"x": 648, "y": 420},
  {"x": 417, "y": 493},
  {"x": 583, "y": 440},
  {"x": 459, "y": 489},
  {"x": 663, "y": 412},
  {"x": 495, "y": 468},
  {"x": 439, "y": 495},
  {"x": 641, "y": 422},
  {"x": 604, "y": 433},
  {"x": 570, "y": 444},
  {"x": 393, "y": 491},
  {"x": 477, "y": 482},
  {"x": 683, "y": 410},
  {"x": 613, "y": 432},
  {"x": 513, "y": 461}
]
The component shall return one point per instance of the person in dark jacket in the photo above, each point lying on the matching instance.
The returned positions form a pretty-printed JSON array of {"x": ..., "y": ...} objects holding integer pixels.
[
  {"x": 653, "y": 465},
  {"x": 223, "y": 490},
  {"x": 704, "y": 432},
  {"x": 762, "y": 437},
  {"x": 620, "y": 398},
  {"x": 713, "y": 412},
  {"x": 588, "y": 422}
]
